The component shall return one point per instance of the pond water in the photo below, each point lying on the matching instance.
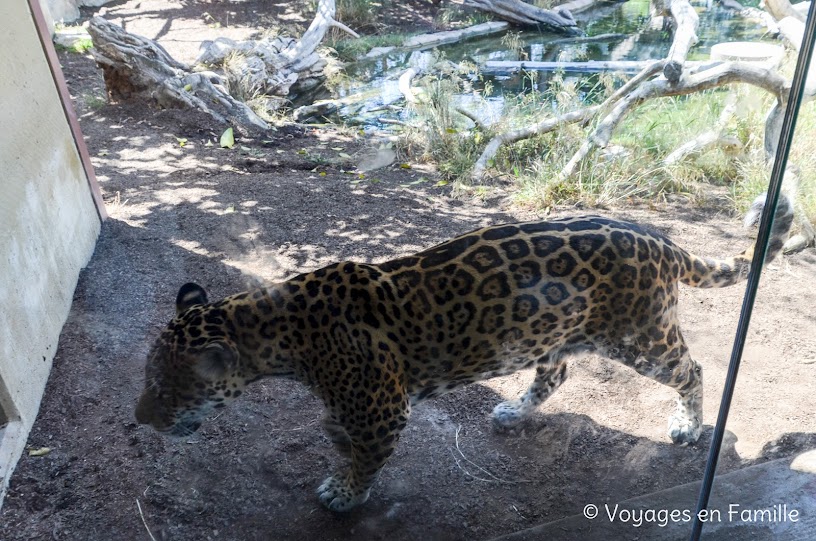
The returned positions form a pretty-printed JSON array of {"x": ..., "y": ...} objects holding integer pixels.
[{"x": 631, "y": 35}]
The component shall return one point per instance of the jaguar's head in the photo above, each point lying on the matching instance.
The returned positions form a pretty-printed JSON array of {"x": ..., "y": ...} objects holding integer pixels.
[{"x": 192, "y": 369}]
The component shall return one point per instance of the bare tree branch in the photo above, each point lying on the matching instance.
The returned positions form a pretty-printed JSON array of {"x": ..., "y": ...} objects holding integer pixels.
[
  {"x": 729, "y": 72},
  {"x": 713, "y": 137},
  {"x": 780, "y": 9},
  {"x": 549, "y": 124},
  {"x": 685, "y": 36}
]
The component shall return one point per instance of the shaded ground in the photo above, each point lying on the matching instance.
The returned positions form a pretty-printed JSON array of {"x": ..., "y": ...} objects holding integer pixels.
[{"x": 264, "y": 212}]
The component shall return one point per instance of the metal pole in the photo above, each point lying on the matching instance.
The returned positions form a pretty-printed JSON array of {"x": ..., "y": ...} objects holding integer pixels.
[{"x": 774, "y": 187}]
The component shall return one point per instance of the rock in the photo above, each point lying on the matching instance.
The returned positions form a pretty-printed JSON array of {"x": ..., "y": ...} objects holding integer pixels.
[
  {"x": 315, "y": 110},
  {"x": 214, "y": 52},
  {"x": 767, "y": 54},
  {"x": 70, "y": 37},
  {"x": 67, "y": 11},
  {"x": 64, "y": 11},
  {"x": 381, "y": 157}
]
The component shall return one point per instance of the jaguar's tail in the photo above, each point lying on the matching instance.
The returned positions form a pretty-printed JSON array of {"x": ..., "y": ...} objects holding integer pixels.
[{"x": 705, "y": 272}]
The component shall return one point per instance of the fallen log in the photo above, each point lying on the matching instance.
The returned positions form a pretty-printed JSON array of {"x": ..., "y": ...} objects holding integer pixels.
[
  {"x": 269, "y": 67},
  {"x": 577, "y": 6},
  {"x": 545, "y": 126},
  {"x": 507, "y": 67},
  {"x": 522, "y": 14},
  {"x": 429, "y": 41},
  {"x": 404, "y": 84},
  {"x": 587, "y": 39},
  {"x": 134, "y": 66}
]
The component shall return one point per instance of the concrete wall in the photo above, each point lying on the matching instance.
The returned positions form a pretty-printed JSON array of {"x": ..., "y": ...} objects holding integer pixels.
[{"x": 48, "y": 225}]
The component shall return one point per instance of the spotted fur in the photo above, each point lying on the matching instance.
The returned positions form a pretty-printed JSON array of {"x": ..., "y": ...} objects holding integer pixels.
[{"x": 373, "y": 340}]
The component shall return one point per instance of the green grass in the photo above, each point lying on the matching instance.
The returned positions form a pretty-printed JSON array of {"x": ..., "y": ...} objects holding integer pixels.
[
  {"x": 457, "y": 16},
  {"x": 640, "y": 144},
  {"x": 95, "y": 102},
  {"x": 439, "y": 134},
  {"x": 359, "y": 14},
  {"x": 661, "y": 125},
  {"x": 80, "y": 46}
]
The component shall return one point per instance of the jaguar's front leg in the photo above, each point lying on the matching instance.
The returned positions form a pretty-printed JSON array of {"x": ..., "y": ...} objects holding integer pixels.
[
  {"x": 337, "y": 434},
  {"x": 370, "y": 445}
]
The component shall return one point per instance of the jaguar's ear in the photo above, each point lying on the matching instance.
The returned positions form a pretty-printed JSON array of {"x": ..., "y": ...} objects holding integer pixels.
[
  {"x": 190, "y": 295},
  {"x": 215, "y": 361}
]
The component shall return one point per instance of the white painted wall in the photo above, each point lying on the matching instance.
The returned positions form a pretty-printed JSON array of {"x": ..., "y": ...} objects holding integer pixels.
[{"x": 48, "y": 225}]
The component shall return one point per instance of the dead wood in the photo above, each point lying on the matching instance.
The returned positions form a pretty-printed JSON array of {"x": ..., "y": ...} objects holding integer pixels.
[
  {"x": 428, "y": 41},
  {"x": 780, "y": 9},
  {"x": 685, "y": 36},
  {"x": 639, "y": 89},
  {"x": 577, "y": 6},
  {"x": 270, "y": 67},
  {"x": 726, "y": 73},
  {"x": 276, "y": 66},
  {"x": 522, "y": 14},
  {"x": 716, "y": 137},
  {"x": 507, "y": 67},
  {"x": 134, "y": 66},
  {"x": 550, "y": 124},
  {"x": 404, "y": 84}
]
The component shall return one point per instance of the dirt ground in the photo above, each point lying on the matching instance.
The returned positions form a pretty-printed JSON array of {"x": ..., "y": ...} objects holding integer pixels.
[{"x": 264, "y": 212}]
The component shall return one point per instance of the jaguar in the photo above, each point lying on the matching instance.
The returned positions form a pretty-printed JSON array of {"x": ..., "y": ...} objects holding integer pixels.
[{"x": 374, "y": 340}]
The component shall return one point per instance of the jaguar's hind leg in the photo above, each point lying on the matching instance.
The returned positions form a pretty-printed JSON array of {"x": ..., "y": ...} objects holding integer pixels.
[
  {"x": 686, "y": 425},
  {"x": 551, "y": 372}
]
